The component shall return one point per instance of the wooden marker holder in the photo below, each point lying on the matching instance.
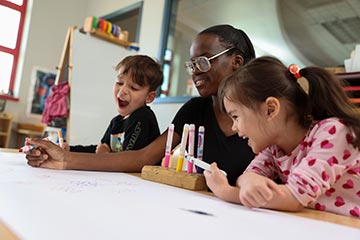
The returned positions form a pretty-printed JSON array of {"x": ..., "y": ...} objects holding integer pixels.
[{"x": 169, "y": 176}]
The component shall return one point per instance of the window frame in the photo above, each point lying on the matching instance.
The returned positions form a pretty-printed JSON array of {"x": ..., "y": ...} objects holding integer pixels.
[{"x": 16, "y": 51}]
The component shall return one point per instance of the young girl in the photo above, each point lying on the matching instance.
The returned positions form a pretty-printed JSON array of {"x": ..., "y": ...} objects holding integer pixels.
[{"x": 306, "y": 135}]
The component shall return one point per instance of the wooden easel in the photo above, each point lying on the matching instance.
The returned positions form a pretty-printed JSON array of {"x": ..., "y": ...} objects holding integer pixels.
[
  {"x": 65, "y": 66},
  {"x": 64, "y": 69}
]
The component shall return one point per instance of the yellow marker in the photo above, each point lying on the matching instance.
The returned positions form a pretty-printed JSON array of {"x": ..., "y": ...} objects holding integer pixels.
[{"x": 182, "y": 148}]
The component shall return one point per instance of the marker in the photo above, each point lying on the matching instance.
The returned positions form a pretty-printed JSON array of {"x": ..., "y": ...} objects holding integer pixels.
[
  {"x": 168, "y": 145},
  {"x": 26, "y": 148},
  {"x": 182, "y": 147},
  {"x": 200, "y": 147},
  {"x": 191, "y": 143},
  {"x": 61, "y": 139},
  {"x": 202, "y": 164}
]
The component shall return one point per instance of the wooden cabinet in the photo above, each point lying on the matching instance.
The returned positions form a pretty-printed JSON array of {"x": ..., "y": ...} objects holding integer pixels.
[{"x": 5, "y": 129}]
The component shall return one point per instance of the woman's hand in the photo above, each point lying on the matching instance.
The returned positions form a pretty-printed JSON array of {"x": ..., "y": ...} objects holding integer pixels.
[
  {"x": 46, "y": 154},
  {"x": 256, "y": 190},
  {"x": 219, "y": 185}
]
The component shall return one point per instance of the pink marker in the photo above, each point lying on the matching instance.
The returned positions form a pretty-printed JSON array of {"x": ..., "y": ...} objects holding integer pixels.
[
  {"x": 168, "y": 145},
  {"x": 26, "y": 148},
  {"x": 191, "y": 143}
]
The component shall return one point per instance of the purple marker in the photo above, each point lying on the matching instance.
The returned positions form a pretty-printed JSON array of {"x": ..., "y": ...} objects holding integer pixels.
[{"x": 200, "y": 147}]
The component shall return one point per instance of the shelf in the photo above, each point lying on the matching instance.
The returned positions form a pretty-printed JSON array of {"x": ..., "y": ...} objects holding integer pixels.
[
  {"x": 5, "y": 129},
  {"x": 352, "y": 86},
  {"x": 110, "y": 38},
  {"x": 355, "y": 100},
  {"x": 349, "y": 75}
]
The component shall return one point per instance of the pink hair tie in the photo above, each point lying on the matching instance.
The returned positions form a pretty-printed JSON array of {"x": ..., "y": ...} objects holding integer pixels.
[{"x": 295, "y": 70}]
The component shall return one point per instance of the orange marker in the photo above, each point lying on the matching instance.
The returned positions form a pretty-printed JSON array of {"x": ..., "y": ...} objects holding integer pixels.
[{"x": 61, "y": 139}]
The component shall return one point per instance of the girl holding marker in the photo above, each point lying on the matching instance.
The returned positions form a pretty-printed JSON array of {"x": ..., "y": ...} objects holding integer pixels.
[{"x": 305, "y": 132}]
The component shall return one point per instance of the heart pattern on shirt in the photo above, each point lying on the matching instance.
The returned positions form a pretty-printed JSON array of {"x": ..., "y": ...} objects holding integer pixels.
[
  {"x": 339, "y": 201},
  {"x": 311, "y": 162},
  {"x": 349, "y": 184},
  {"x": 332, "y": 160},
  {"x": 355, "y": 212},
  {"x": 320, "y": 207},
  {"x": 349, "y": 138},
  {"x": 347, "y": 154},
  {"x": 332, "y": 130},
  {"x": 326, "y": 144},
  {"x": 329, "y": 192},
  {"x": 324, "y": 176},
  {"x": 286, "y": 172},
  {"x": 295, "y": 160},
  {"x": 303, "y": 145}
]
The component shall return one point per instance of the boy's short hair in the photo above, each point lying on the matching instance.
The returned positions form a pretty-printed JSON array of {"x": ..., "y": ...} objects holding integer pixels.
[{"x": 144, "y": 70}]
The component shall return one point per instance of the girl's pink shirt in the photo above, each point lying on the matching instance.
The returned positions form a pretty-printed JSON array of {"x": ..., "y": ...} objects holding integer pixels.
[{"x": 322, "y": 172}]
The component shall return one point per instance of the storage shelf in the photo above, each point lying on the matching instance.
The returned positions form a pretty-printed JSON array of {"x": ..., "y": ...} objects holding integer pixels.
[
  {"x": 5, "y": 129},
  {"x": 110, "y": 38},
  {"x": 353, "y": 86}
]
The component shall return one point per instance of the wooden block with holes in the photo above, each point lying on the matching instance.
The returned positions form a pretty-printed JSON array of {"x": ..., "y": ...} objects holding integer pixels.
[{"x": 191, "y": 181}]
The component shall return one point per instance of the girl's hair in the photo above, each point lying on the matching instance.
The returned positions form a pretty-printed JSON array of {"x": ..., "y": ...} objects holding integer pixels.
[
  {"x": 268, "y": 77},
  {"x": 143, "y": 70},
  {"x": 235, "y": 38}
]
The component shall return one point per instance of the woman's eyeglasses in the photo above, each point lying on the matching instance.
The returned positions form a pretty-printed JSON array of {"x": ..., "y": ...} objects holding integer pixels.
[{"x": 202, "y": 63}]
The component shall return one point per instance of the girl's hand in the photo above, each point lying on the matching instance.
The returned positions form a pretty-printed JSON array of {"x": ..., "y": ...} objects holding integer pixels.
[
  {"x": 102, "y": 148},
  {"x": 256, "y": 190},
  {"x": 219, "y": 185},
  {"x": 46, "y": 154}
]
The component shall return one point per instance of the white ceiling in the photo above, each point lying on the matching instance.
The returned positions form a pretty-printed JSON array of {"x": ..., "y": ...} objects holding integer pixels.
[{"x": 321, "y": 32}]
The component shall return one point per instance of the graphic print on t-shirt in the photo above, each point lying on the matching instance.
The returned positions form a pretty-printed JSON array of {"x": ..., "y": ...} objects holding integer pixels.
[{"x": 117, "y": 141}]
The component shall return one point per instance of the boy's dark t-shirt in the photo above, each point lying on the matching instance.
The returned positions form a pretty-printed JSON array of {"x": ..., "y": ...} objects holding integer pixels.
[
  {"x": 134, "y": 132},
  {"x": 232, "y": 154}
]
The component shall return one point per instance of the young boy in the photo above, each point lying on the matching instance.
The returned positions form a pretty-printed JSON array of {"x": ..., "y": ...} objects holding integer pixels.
[{"x": 136, "y": 126}]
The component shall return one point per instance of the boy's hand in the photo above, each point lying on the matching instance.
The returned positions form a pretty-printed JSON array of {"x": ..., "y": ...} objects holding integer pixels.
[
  {"x": 66, "y": 146},
  {"x": 256, "y": 190},
  {"x": 46, "y": 154},
  {"x": 102, "y": 148}
]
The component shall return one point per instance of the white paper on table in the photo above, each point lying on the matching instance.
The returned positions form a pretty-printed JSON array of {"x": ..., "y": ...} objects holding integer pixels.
[{"x": 52, "y": 204}]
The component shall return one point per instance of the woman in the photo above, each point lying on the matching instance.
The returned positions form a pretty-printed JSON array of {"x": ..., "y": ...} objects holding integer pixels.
[{"x": 216, "y": 53}]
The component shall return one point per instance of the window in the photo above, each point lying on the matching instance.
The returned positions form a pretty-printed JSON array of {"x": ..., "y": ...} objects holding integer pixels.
[{"x": 12, "y": 14}]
